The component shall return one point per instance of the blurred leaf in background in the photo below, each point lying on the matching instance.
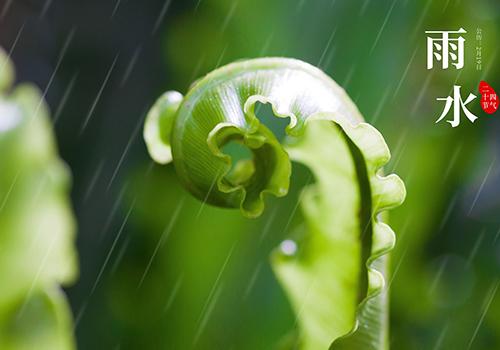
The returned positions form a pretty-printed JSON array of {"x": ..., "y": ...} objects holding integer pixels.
[{"x": 36, "y": 224}]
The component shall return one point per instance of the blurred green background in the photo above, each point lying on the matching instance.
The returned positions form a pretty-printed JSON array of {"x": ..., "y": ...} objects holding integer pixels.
[{"x": 159, "y": 270}]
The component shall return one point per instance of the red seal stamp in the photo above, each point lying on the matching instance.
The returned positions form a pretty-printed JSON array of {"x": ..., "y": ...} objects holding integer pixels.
[{"x": 489, "y": 98}]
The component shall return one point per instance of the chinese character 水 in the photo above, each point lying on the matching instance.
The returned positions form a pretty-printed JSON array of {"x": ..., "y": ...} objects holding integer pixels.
[{"x": 458, "y": 104}]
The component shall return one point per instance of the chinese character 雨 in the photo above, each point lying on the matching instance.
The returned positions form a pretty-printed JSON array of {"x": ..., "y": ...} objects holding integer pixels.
[
  {"x": 458, "y": 104},
  {"x": 445, "y": 48}
]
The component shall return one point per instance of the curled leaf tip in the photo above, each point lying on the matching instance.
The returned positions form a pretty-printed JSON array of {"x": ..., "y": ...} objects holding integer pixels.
[
  {"x": 220, "y": 108},
  {"x": 158, "y": 126},
  {"x": 341, "y": 237},
  {"x": 245, "y": 182}
]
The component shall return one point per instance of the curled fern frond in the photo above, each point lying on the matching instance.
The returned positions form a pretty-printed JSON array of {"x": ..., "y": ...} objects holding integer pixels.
[{"x": 333, "y": 269}]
